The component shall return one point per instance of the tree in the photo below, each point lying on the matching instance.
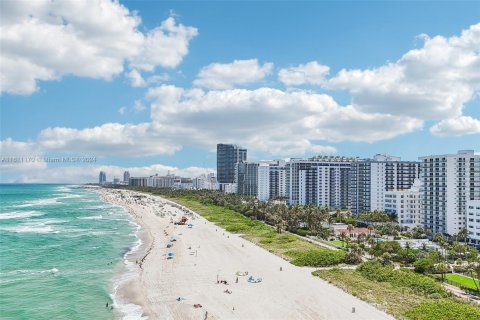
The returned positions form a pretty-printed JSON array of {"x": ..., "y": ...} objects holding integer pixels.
[
  {"x": 370, "y": 229},
  {"x": 441, "y": 268},
  {"x": 350, "y": 228},
  {"x": 463, "y": 234},
  {"x": 343, "y": 237},
  {"x": 424, "y": 265},
  {"x": 354, "y": 255},
  {"x": 474, "y": 272}
]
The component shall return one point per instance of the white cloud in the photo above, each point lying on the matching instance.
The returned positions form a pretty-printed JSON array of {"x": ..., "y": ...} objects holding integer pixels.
[
  {"x": 282, "y": 123},
  {"x": 122, "y": 110},
  {"x": 227, "y": 75},
  {"x": 45, "y": 40},
  {"x": 164, "y": 46},
  {"x": 14, "y": 154},
  {"x": 138, "y": 106},
  {"x": 136, "y": 78},
  {"x": 309, "y": 73},
  {"x": 267, "y": 119},
  {"x": 430, "y": 83},
  {"x": 456, "y": 127},
  {"x": 89, "y": 173},
  {"x": 110, "y": 139}
]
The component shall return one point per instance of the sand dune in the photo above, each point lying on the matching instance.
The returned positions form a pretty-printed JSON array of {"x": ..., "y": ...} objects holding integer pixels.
[{"x": 206, "y": 252}]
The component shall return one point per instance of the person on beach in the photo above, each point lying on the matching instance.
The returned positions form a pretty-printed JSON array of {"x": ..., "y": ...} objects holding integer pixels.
[{"x": 106, "y": 306}]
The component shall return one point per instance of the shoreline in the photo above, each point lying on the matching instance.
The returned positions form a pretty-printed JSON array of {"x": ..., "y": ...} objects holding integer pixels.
[
  {"x": 125, "y": 286},
  {"x": 205, "y": 253}
]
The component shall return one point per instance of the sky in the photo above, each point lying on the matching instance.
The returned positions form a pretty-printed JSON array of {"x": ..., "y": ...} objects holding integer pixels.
[{"x": 153, "y": 86}]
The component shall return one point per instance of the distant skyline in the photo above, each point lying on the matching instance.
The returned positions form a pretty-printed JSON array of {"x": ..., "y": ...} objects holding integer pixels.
[{"x": 151, "y": 87}]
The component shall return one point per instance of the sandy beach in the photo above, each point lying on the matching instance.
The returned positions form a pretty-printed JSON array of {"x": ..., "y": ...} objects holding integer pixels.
[{"x": 204, "y": 254}]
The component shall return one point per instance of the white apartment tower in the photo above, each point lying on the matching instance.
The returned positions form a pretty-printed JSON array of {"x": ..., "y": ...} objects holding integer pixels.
[
  {"x": 270, "y": 179},
  {"x": 406, "y": 204},
  {"x": 371, "y": 178},
  {"x": 322, "y": 181},
  {"x": 449, "y": 182}
]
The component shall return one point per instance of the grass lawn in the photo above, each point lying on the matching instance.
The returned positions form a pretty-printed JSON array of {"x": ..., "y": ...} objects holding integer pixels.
[
  {"x": 285, "y": 245},
  {"x": 464, "y": 281},
  {"x": 402, "y": 303},
  {"x": 337, "y": 243}
]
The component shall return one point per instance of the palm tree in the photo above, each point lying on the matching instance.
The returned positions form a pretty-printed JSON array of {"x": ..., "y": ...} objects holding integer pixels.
[
  {"x": 350, "y": 228},
  {"x": 343, "y": 237},
  {"x": 474, "y": 271},
  {"x": 463, "y": 234},
  {"x": 442, "y": 268}
]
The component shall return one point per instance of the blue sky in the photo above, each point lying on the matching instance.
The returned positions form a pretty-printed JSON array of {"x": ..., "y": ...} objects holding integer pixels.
[{"x": 284, "y": 79}]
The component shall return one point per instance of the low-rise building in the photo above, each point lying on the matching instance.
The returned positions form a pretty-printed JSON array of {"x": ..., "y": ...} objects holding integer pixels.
[{"x": 355, "y": 232}]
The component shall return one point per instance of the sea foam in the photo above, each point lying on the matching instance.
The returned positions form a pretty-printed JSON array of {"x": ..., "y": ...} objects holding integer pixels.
[{"x": 20, "y": 215}]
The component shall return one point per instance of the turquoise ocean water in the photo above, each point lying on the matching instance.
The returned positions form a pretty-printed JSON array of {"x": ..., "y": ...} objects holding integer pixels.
[{"x": 61, "y": 253}]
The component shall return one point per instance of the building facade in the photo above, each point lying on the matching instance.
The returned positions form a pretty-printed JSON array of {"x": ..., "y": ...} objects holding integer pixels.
[
  {"x": 473, "y": 221},
  {"x": 246, "y": 178},
  {"x": 205, "y": 181},
  {"x": 102, "y": 177},
  {"x": 126, "y": 176},
  {"x": 406, "y": 205},
  {"x": 322, "y": 181},
  {"x": 157, "y": 181},
  {"x": 371, "y": 178},
  {"x": 449, "y": 181},
  {"x": 227, "y": 156},
  {"x": 137, "y": 181}
]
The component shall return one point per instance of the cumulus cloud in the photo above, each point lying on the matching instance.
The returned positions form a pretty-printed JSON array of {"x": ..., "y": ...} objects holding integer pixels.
[
  {"x": 433, "y": 82},
  {"x": 110, "y": 139},
  {"x": 456, "y": 127},
  {"x": 136, "y": 79},
  {"x": 309, "y": 73},
  {"x": 228, "y": 75},
  {"x": 164, "y": 46},
  {"x": 268, "y": 119},
  {"x": 89, "y": 173},
  {"x": 45, "y": 40},
  {"x": 20, "y": 153}
]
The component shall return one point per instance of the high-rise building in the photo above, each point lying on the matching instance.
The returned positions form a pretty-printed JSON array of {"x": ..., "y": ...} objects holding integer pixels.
[
  {"x": 138, "y": 182},
  {"x": 205, "y": 181},
  {"x": 473, "y": 221},
  {"x": 157, "y": 181},
  {"x": 322, "y": 181},
  {"x": 102, "y": 177},
  {"x": 371, "y": 178},
  {"x": 406, "y": 205},
  {"x": 246, "y": 178},
  {"x": 227, "y": 156},
  {"x": 278, "y": 179},
  {"x": 126, "y": 176},
  {"x": 449, "y": 181}
]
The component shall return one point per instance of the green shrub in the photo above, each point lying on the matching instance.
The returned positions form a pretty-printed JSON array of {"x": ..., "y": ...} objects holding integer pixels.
[
  {"x": 444, "y": 310},
  {"x": 316, "y": 258},
  {"x": 424, "y": 265},
  {"x": 374, "y": 270}
]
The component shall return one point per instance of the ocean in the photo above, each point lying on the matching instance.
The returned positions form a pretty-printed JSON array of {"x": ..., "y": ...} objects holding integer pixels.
[{"x": 62, "y": 253}]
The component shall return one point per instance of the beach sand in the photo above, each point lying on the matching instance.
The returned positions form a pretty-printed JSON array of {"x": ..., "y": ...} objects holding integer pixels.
[{"x": 205, "y": 253}]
